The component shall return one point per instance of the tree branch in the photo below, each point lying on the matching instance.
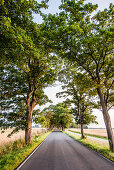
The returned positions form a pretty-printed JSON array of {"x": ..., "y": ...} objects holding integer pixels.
[{"x": 86, "y": 69}]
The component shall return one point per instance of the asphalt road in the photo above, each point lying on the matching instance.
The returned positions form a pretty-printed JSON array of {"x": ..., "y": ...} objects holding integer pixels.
[{"x": 60, "y": 152}]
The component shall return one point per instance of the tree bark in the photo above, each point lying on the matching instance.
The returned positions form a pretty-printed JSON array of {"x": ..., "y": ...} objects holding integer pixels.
[
  {"x": 30, "y": 106},
  {"x": 106, "y": 119},
  {"x": 82, "y": 125},
  {"x": 82, "y": 131},
  {"x": 81, "y": 121},
  {"x": 28, "y": 130},
  {"x": 62, "y": 128}
]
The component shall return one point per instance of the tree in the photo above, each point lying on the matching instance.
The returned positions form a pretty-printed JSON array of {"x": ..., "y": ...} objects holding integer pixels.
[
  {"x": 21, "y": 92},
  {"x": 26, "y": 67},
  {"x": 87, "y": 41},
  {"x": 48, "y": 114},
  {"x": 83, "y": 115},
  {"x": 78, "y": 92},
  {"x": 62, "y": 117}
]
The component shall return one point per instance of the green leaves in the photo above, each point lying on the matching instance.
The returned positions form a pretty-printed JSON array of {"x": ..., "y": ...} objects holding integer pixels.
[
  {"x": 77, "y": 87},
  {"x": 26, "y": 65},
  {"x": 86, "y": 42},
  {"x": 58, "y": 115}
]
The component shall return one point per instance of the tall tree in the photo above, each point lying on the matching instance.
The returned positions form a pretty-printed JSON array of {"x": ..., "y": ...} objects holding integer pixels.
[
  {"x": 26, "y": 67},
  {"x": 21, "y": 92},
  {"x": 88, "y": 41},
  {"x": 78, "y": 94}
]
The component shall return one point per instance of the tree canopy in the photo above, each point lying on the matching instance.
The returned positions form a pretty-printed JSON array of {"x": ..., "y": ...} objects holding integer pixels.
[
  {"x": 88, "y": 42},
  {"x": 31, "y": 55},
  {"x": 79, "y": 95},
  {"x": 59, "y": 115},
  {"x": 26, "y": 66}
]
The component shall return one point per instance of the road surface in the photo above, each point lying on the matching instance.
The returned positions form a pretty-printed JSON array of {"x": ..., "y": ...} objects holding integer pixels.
[{"x": 60, "y": 152}]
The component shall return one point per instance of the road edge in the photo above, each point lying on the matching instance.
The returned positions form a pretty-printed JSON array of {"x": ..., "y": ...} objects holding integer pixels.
[{"x": 26, "y": 159}]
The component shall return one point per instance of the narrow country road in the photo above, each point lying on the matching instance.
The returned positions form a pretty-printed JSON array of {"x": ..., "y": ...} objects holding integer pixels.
[{"x": 60, "y": 152}]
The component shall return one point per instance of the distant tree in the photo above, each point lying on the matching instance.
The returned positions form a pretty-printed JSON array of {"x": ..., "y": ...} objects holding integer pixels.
[
  {"x": 74, "y": 125},
  {"x": 79, "y": 97},
  {"x": 83, "y": 116},
  {"x": 85, "y": 127},
  {"x": 43, "y": 121},
  {"x": 48, "y": 114},
  {"x": 62, "y": 117}
]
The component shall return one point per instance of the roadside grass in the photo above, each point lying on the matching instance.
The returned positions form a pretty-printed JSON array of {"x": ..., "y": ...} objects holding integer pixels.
[
  {"x": 97, "y": 146},
  {"x": 5, "y": 149},
  {"x": 13, "y": 154},
  {"x": 87, "y": 134}
]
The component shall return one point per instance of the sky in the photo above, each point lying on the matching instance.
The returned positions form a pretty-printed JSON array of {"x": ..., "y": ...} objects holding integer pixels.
[
  {"x": 54, "y": 4},
  {"x": 51, "y": 91}
]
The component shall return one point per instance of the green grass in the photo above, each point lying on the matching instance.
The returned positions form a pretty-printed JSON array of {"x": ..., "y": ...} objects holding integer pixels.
[
  {"x": 100, "y": 148},
  {"x": 10, "y": 159},
  {"x": 101, "y": 137}
]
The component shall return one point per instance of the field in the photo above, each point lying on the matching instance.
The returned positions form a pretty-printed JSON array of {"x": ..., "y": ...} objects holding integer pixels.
[
  {"x": 4, "y": 139},
  {"x": 98, "y": 132}
]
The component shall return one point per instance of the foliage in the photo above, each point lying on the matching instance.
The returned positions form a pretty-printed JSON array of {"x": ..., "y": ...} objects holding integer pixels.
[
  {"x": 87, "y": 42},
  {"x": 26, "y": 66},
  {"x": 48, "y": 117},
  {"x": 60, "y": 115},
  {"x": 79, "y": 94},
  {"x": 15, "y": 85},
  {"x": 17, "y": 29}
]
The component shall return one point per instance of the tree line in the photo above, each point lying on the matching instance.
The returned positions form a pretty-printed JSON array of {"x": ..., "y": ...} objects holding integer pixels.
[
  {"x": 73, "y": 46},
  {"x": 55, "y": 116}
]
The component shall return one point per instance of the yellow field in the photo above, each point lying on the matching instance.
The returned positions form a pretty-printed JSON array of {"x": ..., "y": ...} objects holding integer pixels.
[
  {"x": 99, "y": 132},
  {"x": 4, "y": 139}
]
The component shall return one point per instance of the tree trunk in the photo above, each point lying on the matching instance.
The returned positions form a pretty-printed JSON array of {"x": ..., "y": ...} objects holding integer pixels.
[
  {"x": 82, "y": 126},
  {"x": 81, "y": 121},
  {"x": 62, "y": 128},
  {"x": 106, "y": 120},
  {"x": 82, "y": 130},
  {"x": 28, "y": 130}
]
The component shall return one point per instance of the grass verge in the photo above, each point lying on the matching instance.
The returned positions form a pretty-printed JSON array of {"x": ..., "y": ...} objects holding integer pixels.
[
  {"x": 10, "y": 160},
  {"x": 100, "y": 148},
  {"x": 101, "y": 137}
]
